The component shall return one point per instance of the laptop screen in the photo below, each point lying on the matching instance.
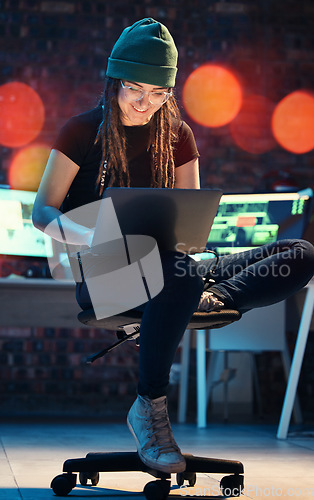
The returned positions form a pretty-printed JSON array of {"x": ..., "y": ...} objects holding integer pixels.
[
  {"x": 245, "y": 221},
  {"x": 18, "y": 236}
]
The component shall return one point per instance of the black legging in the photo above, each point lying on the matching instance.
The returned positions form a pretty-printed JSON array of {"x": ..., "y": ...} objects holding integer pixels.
[
  {"x": 243, "y": 281},
  {"x": 262, "y": 276}
]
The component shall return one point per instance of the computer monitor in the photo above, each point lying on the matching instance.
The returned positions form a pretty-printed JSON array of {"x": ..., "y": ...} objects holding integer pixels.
[
  {"x": 246, "y": 221},
  {"x": 18, "y": 236}
]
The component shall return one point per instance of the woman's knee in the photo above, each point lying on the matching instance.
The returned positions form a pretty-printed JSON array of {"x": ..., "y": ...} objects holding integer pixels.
[
  {"x": 308, "y": 254},
  {"x": 304, "y": 251},
  {"x": 303, "y": 259},
  {"x": 181, "y": 273}
]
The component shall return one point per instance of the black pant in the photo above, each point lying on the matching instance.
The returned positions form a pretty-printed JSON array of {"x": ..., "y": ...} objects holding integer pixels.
[{"x": 243, "y": 281}]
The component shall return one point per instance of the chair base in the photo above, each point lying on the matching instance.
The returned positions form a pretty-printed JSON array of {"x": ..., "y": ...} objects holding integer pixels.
[{"x": 90, "y": 466}]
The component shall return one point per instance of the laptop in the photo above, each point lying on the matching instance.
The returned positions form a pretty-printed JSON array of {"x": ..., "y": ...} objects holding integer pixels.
[
  {"x": 178, "y": 219},
  {"x": 246, "y": 221}
]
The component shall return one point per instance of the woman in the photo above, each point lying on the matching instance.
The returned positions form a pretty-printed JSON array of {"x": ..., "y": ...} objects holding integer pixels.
[{"x": 136, "y": 138}]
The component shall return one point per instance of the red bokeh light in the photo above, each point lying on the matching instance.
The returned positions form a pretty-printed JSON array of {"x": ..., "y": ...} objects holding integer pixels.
[
  {"x": 212, "y": 95},
  {"x": 251, "y": 128},
  {"x": 27, "y": 167},
  {"x": 293, "y": 122},
  {"x": 22, "y": 114}
]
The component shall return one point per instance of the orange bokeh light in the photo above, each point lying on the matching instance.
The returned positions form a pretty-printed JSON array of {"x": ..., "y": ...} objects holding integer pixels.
[
  {"x": 293, "y": 122},
  {"x": 251, "y": 128},
  {"x": 212, "y": 95},
  {"x": 27, "y": 167},
  {"x": 22, "y": 114}
]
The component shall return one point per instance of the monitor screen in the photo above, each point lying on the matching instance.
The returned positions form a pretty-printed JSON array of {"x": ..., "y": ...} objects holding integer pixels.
[
  {"x": 18, "y": 236},
  {"x": 245, "y": 221}
]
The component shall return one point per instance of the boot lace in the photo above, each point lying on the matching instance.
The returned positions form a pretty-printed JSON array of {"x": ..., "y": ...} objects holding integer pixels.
[{"x": 160, "y": 429}]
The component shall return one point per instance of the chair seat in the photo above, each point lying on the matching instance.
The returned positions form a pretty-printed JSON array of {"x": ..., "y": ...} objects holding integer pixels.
[{"x": 199, "y": 320}]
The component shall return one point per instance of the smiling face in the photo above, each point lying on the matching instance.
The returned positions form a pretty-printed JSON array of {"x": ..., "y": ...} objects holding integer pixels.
[{"x": 137, "y": 111}]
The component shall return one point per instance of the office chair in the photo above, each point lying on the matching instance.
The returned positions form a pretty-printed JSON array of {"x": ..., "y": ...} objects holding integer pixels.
[{"x": 90, "y": 466}]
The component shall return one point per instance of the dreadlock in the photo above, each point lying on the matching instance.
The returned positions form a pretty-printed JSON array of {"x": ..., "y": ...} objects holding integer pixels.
[{"x": 164, "y": 132}]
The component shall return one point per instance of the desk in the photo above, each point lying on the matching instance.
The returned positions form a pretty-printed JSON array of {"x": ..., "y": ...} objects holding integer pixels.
[
  {"x": 38, "y": 303},
  {"x": 297, "y": 361}
]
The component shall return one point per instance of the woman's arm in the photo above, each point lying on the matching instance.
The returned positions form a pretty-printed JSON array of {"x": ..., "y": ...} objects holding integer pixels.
[
  {"x": 187, "y": 175},
  {"x": 56, "y": 181}
]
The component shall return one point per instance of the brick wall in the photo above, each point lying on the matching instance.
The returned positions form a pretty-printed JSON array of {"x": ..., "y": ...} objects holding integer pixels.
[
  {"x": 60, "y": 48},
  {"x": 43, "y": 372}
]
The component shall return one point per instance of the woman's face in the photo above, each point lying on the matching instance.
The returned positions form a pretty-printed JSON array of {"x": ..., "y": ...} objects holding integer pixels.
[{"x": 135, "y": 102}]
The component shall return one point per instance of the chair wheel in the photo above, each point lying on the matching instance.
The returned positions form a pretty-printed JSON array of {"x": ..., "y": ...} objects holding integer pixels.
[
  {"x": 63, "y": 484},
  {"x": 232, "y": 486},
  {"x": 85, "y": 476},
  {"x": 95, "y": 479},
  {"x": 186, "y": 476},
  {"x": 157, "y": 490}
]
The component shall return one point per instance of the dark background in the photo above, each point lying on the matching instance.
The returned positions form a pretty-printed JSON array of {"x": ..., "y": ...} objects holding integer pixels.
[{"x": 60, "y": 49}]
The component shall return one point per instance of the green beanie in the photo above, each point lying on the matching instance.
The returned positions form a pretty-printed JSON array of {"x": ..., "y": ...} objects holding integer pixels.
[{"x": 146, "y": 53}]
